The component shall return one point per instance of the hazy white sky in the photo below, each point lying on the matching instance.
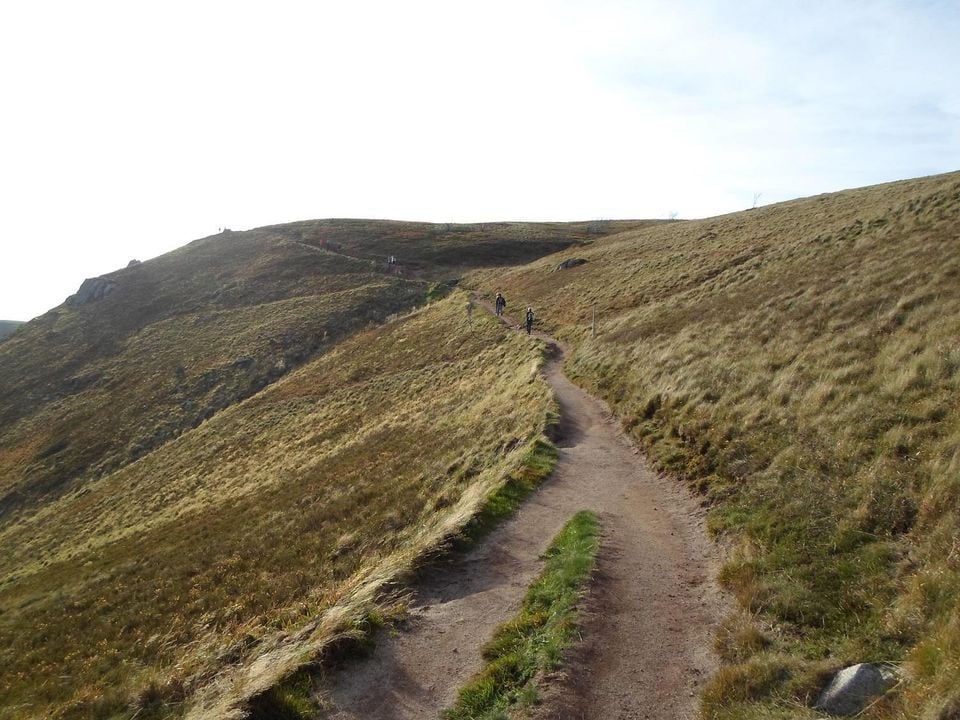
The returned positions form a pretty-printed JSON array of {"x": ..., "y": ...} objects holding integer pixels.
[{"x": 128, "y": 129}]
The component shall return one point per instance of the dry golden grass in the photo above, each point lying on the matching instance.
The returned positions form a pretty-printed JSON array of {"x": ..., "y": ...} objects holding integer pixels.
[
  {"x": 800, "y": 365},
  {"x": 161, "y": 537},
  {"x": 87, "y": 390},
  {"x": 223, "y": 559}
]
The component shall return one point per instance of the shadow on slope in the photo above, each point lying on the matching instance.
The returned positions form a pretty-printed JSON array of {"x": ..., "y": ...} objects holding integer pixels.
[
  {"x": 443, "y": 250},
  {"x": 7, "y": 327},
  {"x": 90, "y": 387}
]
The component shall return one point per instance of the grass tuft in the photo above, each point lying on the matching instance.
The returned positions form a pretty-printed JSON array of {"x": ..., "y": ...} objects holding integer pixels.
[
  {"x": 290, "y": 700},
  {"x": 533, "y": 642}
]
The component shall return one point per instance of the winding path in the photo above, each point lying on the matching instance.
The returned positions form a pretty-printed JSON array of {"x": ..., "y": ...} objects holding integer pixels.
[{"x": 650, "y": 618}]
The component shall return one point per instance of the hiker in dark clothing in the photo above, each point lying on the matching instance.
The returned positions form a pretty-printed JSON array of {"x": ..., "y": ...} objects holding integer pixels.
[
  {"x": 529, "y": 319},
  {"x": 501, "y": 304}
]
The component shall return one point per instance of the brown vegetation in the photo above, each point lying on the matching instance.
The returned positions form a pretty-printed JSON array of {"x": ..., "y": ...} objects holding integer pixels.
[
  {"x": 89, "y": 389},
  {"x": 177, "y": 500},
  {"x": 234, "y": 538},
  {"x": 448, "y": 249},
  {"x": 800, "y": 365},
  {"x": 185, "y": 514}
]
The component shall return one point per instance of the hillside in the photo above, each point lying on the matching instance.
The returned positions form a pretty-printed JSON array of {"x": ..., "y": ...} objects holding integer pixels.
[
  {"x": 213, "y": 549},
  {"x": 440, "y": 251},
  {"x": 143, "y": 354},
  {"x": 202, "y": 454},
  {"x": 8, "y": 326},
  {"x": 90, "y": 388},
  {"x": 799, "y": 365},
  {"x": 212, "y": 463}
]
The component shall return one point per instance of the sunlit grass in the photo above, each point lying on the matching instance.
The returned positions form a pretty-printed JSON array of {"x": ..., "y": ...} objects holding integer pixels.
[
  {"x": 533, "y": 642},
  {"x": 798, "y": 365},
  {"x": 291, "y": 507}
]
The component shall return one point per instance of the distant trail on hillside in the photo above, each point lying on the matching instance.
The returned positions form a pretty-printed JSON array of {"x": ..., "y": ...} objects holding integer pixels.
[
  {"x": 328, "y": 251},
  {"x": 649, "y": 621}
]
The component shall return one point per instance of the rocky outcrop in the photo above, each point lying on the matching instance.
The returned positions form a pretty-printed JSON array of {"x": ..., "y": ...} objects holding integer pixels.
[
  {"x": 133, "y": 263},
  {"x": 572, "y": 262},
  {"x": 855, "y": 687},
  {"x": 91, "y": 289}
]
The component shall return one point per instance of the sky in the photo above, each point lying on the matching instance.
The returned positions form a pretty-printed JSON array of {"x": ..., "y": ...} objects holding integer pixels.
[{"x": 128, "y": 129}]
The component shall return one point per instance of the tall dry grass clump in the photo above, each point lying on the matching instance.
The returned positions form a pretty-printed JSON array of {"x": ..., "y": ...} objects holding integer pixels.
[{"x": 800, "y": 366}]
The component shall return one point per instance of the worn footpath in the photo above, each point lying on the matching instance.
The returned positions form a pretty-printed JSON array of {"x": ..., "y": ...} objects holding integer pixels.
[{"x": 649, "y": 621}]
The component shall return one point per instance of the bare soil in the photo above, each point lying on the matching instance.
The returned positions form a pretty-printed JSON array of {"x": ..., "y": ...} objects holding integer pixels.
[{"x": 648, "y": 622}]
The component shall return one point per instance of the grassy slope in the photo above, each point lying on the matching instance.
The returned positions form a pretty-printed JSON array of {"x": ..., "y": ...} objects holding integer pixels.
[
  {"x": 799, "y": 364},
  {"x": 212, "y": 549},
  {"x": 87, "y": 390},
  {"x": 155, "y": 532}
]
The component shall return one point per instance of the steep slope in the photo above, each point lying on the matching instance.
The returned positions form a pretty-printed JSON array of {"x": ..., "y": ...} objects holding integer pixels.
[
  {"x": 799, "y": 364},
  {"x": 177, "y": 499},
  {"x": 142, "y": 354},
  {"x": 88, "y": 388},
  {"x": 267, "y": 526}
]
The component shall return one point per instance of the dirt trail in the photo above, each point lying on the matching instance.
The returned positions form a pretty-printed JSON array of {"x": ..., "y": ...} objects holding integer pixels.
[{"x": 651, "y": 615}]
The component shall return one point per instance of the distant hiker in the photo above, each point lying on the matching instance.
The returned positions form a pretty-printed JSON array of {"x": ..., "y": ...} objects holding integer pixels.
[
  {"x": 469, "y": 310},
  {"x": 529, "y": 319},
  {"x": 501, "y": 304}
]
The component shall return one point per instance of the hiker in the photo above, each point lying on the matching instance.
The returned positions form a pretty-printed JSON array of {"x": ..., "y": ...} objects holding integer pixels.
[
  {"x": 469, "y": 310},
  {"x": 501, "y": 304},
  {"x": 529, "y": 319}
]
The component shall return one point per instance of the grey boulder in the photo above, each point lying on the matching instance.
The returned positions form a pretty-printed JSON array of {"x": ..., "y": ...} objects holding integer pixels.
[
  {"x": 91, "y": 289},
  {"x": 854, "y": 687}
]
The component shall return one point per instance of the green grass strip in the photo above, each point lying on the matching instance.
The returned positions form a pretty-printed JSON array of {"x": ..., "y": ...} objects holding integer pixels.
[
  {"x": 533, "y": 642},
  {"x": 536, "y": 467}
]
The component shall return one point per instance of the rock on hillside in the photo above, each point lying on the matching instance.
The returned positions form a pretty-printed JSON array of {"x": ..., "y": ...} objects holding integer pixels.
[
  {"x": 570, "y": 263},
  {"x": 91, "y": 289},
  {"x": 855, "y": 687}
]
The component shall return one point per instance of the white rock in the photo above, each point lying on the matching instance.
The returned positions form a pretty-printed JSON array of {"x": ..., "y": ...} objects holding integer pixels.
[{"x": 855, "y": 687}]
